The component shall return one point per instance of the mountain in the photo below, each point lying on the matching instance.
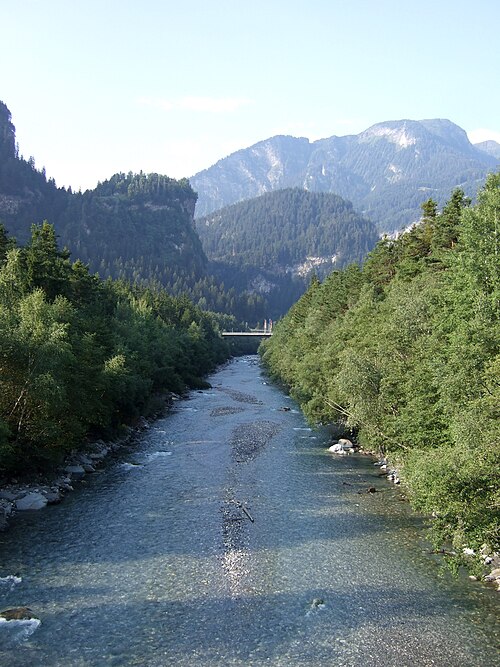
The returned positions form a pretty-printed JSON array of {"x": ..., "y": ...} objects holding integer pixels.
[
  {"x": 132, "y": 225},
  {"x": 139, "y": 227},
  {"x": 26, "y": 196},
  {"x": 270, "y": 246},
  {"x": 135, "y": 226},
  {"x": 491, "y": 147},
  {"x": 288, "y": 231},
  {"x": 387, "y": 171}
]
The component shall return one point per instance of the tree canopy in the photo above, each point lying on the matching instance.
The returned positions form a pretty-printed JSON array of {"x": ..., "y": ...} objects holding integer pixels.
[
  {"x": 405, "y": 352},
  {"x": 80, "y": 356}
]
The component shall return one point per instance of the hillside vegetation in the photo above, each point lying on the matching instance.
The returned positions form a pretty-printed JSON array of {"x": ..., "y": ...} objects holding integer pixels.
[
  {"x": 134, "y": 227},
  {"x": 280, "y": 230},
  {"x": 405, "y": 351},
  {"x": 385, "y": 171},
  {"x": 79, "y": 357}
]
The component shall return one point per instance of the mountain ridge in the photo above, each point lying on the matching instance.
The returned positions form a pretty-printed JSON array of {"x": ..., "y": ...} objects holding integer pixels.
[
  {"x": 387, "y": 170},
  {"x": 489, "y": 146}
]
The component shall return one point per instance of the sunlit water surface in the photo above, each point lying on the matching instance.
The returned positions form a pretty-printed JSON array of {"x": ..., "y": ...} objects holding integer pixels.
[{"x": 228, "y": 535}]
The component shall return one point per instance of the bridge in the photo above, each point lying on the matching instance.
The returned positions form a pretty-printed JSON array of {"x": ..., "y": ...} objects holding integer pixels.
[{"x": 255, "y": 332}]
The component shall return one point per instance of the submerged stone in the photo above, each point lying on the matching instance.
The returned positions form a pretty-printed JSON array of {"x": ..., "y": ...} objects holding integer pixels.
[{"x": 31, "y": 501}]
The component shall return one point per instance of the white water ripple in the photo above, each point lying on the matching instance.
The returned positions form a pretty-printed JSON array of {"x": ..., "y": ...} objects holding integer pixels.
[
  {"x": 18, "y": 630},
  {"x": 11, "y": 580}
]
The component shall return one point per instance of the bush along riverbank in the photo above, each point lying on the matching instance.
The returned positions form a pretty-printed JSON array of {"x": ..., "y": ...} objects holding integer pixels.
[
  {"x": 405, "y": 352},
  {"x": 80, "y": 358}
]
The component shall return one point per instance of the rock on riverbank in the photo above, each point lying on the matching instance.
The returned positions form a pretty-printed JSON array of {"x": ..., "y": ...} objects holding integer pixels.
[
  {"x": 20, "y": 496},
  {"x": 29, "y": 494}
]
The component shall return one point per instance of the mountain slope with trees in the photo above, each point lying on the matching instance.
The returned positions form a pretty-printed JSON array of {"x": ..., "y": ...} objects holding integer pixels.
[
  {"x": 79, "y": 357},
  {"x": 136, "y": 227},
  {"x": 271, "y": 245},
  {"x": 129, "y": 225},
  {"x": 405, "y": 352},
  {"x": 280, "y": 230},
  {"x": 385, "y": 171}
]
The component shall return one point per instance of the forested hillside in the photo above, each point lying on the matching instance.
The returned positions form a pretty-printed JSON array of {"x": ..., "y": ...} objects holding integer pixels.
[
  {"x": 289, "y": 230},
  {"x": 405, "y": 351},
  {"x": 136, "y": 227},
  {"x": 385, "y": 171},
  {"x": 130, "y": 226},
  {"x": 270, "y": 246},
  {"x": 80, "y": 357},
  {"x": 26, "y": 196}
]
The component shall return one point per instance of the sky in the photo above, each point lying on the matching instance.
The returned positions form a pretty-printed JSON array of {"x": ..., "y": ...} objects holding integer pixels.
[{"x": 97, "y": 87}]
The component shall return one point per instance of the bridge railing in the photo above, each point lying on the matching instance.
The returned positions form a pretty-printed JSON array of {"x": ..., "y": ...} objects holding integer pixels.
[{"x": 253, "y": 332}]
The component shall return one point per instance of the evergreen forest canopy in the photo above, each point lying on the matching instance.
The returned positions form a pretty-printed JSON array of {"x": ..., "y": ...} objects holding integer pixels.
[
  {"x": 80, "y": 357},
  {"x": 405, "y": 351},
  {"x": 270, "y": 245},
  {"x": 279, "y": 230},
  {"x": 135, "y": 227}
]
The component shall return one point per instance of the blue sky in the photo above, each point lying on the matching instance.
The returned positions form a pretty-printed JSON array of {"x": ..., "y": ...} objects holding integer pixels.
[{"x": 97, "y": 87}]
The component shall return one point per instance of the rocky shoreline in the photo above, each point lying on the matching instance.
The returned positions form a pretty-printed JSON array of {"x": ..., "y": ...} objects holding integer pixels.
[
  {"x": 29, "y": 494},
  {"x": 491, "y": 561}
]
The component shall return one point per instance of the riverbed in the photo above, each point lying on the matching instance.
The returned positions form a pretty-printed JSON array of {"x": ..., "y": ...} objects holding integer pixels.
[{"x": 229, "y": 535}]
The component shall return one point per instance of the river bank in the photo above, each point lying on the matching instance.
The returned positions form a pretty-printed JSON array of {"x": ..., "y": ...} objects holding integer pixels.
[
  {"x": 227, "y": 534},
  {"x": 31, "y": 492},
  {"x": 490, "y": 561}
]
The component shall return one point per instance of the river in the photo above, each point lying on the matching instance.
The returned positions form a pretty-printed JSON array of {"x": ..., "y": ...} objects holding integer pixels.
[{"x": 228, "y": 535}]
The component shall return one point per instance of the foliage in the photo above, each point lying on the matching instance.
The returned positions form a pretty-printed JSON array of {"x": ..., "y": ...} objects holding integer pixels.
[
  {"x": 79, "y": 356},
  {"x": 133, "y": 227},
  {"x": 279, "y": 230},
  {"x": 406, "y": 352}
]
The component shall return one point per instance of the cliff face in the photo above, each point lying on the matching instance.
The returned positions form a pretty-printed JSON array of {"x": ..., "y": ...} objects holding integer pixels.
[
  {"x": 7, "y": 134},
  {"x": 133, "y": 225},
  {"x": 136, "y": 225}
]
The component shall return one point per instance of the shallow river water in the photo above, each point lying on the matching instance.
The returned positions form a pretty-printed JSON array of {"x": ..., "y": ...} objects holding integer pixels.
[{"x": 228, "y": 535}]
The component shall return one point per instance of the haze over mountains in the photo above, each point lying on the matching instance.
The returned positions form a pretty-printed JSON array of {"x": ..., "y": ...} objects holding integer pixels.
[
  {"x": 141, "y": 227},
  {"x": 387, "y": 171}
]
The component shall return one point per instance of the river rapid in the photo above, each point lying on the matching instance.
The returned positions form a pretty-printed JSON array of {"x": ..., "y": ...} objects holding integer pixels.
[{"x": 229, "y": 535}]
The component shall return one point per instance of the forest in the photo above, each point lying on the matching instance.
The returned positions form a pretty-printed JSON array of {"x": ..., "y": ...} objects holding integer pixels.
[
  {"x": 133, "y": 227},
  {"x": 404, "y": 352},
  {"x": 278, "y": 230},
  {"x": 81, "y": 357}
]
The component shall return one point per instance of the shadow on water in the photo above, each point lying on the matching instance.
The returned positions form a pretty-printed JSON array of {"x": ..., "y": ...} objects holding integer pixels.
[
  {"x": 198, "y": 555},
  {"x": 371, "y": 623}
]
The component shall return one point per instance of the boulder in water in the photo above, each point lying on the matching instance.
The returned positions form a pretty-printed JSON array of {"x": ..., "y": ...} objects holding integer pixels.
[
  {"x": 53, "y": 497},
  {"x": 17, "y": 614},
  {"x": 494, "y": 576},
  {"x": 342, "y": 447}
]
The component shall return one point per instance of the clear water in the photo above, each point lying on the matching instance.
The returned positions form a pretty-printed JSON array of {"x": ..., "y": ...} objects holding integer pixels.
[{"x": 229, "y": 536}]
